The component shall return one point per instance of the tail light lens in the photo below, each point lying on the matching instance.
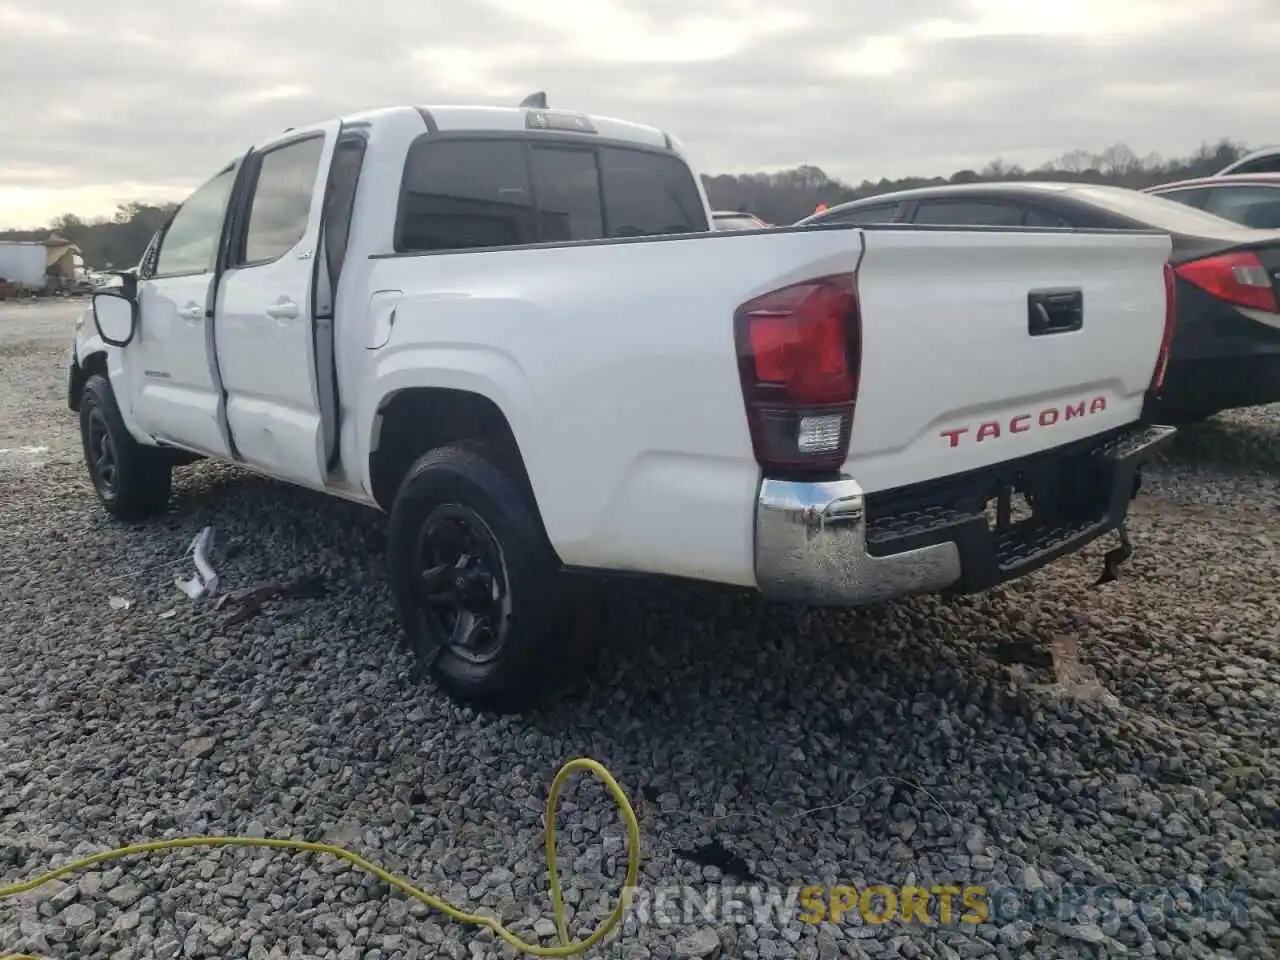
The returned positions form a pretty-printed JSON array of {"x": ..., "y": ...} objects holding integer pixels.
[
  {"x": 1238, "y": 278},
  {"x": 799, "y": 353},
  {"x": 1170, "y": 320}
]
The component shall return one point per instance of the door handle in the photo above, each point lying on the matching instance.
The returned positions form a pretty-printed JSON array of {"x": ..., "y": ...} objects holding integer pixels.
[
  {"x": 1054, "y": 311},
  {"x": 284, "y": 310},
  {"x": 192, "y": 311}
]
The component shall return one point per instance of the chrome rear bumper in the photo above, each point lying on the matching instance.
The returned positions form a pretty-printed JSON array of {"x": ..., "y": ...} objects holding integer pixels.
[
  {"x": 812, "y": 538},
  {"x": 811, "y": 546}
]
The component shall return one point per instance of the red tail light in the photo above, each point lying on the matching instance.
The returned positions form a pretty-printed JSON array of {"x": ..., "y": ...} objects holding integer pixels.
[
  {"x": 1170, "y": 321},
  {"x": 1238, "y": 278},
  {"x": 799, "y": 352}
]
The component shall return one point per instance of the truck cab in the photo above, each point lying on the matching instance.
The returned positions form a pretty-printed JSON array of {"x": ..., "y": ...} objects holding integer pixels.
[{"x": 238, "y": 355}]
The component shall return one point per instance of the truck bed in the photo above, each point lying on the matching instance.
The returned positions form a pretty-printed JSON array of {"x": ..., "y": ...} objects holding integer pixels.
[{"x": 616, "y": 363}]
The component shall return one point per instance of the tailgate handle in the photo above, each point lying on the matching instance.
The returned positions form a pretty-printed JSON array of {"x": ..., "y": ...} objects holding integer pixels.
[{"x": 1054, "y": 311}]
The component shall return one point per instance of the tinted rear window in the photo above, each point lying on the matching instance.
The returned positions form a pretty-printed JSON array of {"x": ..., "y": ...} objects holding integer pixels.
[
  {"x": 647, "y": 194},
  {"x": 466, "y": 193},
  {"x": 566, "y": 188},
  {"x": 461, "y": 194}
]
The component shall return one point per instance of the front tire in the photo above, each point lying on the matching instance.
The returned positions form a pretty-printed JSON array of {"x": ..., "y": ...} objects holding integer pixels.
[
  {"x": 132, "y": 481},
  {"x": 475, "y": 579}
]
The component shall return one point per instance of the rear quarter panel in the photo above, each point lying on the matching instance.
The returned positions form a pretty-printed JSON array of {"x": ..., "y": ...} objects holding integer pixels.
[{"x": 616, "y": 367}]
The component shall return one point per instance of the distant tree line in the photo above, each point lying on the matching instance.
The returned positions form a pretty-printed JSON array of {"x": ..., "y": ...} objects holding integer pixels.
[
  {"x": 788, "y": 195},
  {"x": 781, "y": 197},
  {"x": 117, "y": 240}
]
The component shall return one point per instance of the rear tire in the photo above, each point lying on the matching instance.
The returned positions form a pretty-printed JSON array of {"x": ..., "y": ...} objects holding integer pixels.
[
  {"x": 132, "y": 481},
  {"x": 476, "y": 581}
]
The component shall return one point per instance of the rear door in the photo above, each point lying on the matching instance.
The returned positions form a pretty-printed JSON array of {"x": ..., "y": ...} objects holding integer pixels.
[
  {"x": 960, "y": 371},
  {"x": 266, "y": 329}
]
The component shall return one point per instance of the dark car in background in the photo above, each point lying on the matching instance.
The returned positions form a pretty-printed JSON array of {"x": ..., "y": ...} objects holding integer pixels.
[
  {"x": 1226, "y": 346},
  {"x": 1266, "y": 160},
  {"x": 1249, "y": 199}
]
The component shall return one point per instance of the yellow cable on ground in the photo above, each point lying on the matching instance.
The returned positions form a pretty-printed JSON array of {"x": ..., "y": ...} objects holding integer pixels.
[{"x": 565, "y": 947}]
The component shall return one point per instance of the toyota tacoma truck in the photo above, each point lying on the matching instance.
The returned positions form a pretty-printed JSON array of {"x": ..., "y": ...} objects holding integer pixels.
[{"x": 515, "y": 331}]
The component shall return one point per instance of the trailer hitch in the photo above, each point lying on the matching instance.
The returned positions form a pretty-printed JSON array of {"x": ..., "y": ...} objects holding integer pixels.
[{"x": 1111, "y": 562}]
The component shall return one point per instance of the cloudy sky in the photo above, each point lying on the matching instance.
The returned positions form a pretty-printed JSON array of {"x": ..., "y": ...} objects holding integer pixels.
[{"x": 143, "y": 99}]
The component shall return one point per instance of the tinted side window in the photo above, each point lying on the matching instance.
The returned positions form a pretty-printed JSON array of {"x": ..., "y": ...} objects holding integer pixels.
[
  {"x": 1261, "y": 165},
  {"x": 1192, "y": 197},
  {"x": 969, "y": 213},
  {"x": 466, "y": 193},
  {"x": 191, "y": 240},
  {"x": 566, "y": 187},
  {"x": 281, "y": 201},
  {"x": 1042, "y": 218},
  {"x": 881, "y": 213},
  {"x": 648, "y": 194},
  {"x": 1250, "y": 205}
]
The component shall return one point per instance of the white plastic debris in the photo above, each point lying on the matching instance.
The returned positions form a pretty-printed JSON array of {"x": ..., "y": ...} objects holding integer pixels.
[
  {"x": 206, "y": 579},
  {"x": 22, "y": 459},
  {"x": 119, "y": 603}
]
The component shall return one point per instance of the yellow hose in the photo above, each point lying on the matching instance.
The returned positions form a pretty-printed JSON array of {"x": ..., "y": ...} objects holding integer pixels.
[{"x": 564, "y": 949}]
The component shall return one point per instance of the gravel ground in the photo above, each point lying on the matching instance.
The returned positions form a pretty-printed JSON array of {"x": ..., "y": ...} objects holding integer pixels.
[{"x": 1046, "y": 735}]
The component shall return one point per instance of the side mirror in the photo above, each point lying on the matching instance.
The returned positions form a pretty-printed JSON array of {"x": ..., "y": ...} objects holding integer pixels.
[{"x": 116, "y": 316}]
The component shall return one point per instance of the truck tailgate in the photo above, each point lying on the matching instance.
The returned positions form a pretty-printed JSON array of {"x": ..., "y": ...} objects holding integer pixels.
[{"x": 982, "y": 346}]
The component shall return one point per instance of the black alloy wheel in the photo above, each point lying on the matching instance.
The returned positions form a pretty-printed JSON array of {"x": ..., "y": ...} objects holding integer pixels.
[
  {"x": 102, "y": 454},
  {"x": 464, "y": 589}
]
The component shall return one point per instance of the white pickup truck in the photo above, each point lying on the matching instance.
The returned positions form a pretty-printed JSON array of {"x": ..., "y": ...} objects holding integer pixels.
[{"x": 515, "y": 331}]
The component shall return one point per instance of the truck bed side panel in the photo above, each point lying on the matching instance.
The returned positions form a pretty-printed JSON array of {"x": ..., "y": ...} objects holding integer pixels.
[{"x": 615, "y": 365}]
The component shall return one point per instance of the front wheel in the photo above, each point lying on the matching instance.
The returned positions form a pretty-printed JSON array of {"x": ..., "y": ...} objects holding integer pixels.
[
  {"x": 475, "y": 579},
  {"x": 132, "y": 481}
]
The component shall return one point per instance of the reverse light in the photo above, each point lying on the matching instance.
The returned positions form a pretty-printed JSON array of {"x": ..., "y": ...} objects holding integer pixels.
[
  {"x": 798, "y": 360},
  {"x": 1237, "y": 278},
  {"x": 821, "y": 434}
]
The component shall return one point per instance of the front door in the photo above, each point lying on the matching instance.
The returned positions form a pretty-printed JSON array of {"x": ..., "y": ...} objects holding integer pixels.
[
  {"x": 265, "y": 338},
  {"x": 170, "y": 369}
]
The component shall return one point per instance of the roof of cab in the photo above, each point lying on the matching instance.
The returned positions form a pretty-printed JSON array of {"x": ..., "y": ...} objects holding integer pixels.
[
  {"x": 501, "y": 119},
  {"x": 491, "y": 119}
]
